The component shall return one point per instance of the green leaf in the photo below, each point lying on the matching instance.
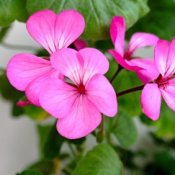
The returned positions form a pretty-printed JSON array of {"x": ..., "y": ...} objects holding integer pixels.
[
  {"x": 3, "y": 32},
  {"x": 46, "y": 167},
  {"x": 35, "y": 113},
  {"x": 101, "y": 160},
  {"x": 160, "y": 20},
  {"x": 43, "y": 132},
  {"x": 97, "y": 14},
  {"x": 165, "y": 124},
  {"x": 30, "y": 172},
  {"x": 53, "y": 144},
  {"x": 11, "y": 10},
  {"x": 124, "y": 129},
  {"x": 128, "y": 102}
]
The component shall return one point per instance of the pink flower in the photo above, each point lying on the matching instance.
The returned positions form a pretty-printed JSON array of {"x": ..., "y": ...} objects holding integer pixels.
[
  {"x": 164, "y": 84},
  {"x": 79, "y": 99},
  {"x": 124, "y": 57},
  {"x": 27, "y": 72}
]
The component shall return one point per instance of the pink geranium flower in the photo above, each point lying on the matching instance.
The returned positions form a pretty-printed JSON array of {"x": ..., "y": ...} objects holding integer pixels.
[
  {"x": 26, "y": 72},
  {"x": 79, "y": 99},
  {"x": 164, "y": 84},
  {"x": 124, "y": 57}
]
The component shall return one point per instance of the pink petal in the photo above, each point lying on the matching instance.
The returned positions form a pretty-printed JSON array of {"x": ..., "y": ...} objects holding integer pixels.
[
  {"x": 55, "y": 31},
  {"x": 141, "y": 39},
  {"x": 93, "y": 62},
  {"x": 170, "y": 66},
  {"x": 65, "y": 60},
  {"x": 69, "y": 26},
  {"x": 101, "y": 93},
  {"x": 161, "y": 56},
  {"x": 80, "y": 44},
  {"x": 120, "y": 60},
  {"x": 57, "y": 98},
  {"x": 147, "y": 71},
  {"x": 151, "y": 101},
  {"x": 168, "y": 94},
  {"x": 80, "y": 66},
  {"x": 117, "y": 32},
  {"x": 34, "y": 89},
  {"x": 23, "y": 68},
  {"x": 82, "y": 119},
  {"x": 41, "y": 27}
]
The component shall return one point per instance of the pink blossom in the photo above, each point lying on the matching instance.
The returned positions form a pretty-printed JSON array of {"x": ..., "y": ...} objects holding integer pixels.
[
  {"x": 164, "y": 84},
  {"x": 27, "y": 72},
  {"x": 124, "y": 57},
  {"x": 79, "y": 99}
]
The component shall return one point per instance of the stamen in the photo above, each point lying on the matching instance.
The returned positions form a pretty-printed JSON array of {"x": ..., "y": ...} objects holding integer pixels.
[{"x": 81, "y": 89}]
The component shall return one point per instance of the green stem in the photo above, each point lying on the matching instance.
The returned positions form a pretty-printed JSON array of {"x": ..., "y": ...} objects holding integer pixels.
[
  {"x": 72, "y": 149},
  {"x": 101, "y": 133},
  {"x": 116, "y": 73},
  {"x": 127, "y": 91}
]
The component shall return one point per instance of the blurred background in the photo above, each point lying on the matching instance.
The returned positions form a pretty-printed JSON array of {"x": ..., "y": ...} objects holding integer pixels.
[{"x": 18, "y": 137}]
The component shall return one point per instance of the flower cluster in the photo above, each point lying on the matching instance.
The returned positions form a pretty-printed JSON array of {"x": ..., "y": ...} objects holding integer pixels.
[{"x": 70, "y": 83}]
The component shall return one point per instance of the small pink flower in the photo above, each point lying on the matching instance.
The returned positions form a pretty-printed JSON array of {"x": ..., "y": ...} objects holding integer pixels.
[
  {"x": 164, "y": 84},
  {"x": 79, "y": 99},
  {"x": 27, "y": 72},
  {"x": 124, "y": 57},
  {"x": 22, "y": 103}
]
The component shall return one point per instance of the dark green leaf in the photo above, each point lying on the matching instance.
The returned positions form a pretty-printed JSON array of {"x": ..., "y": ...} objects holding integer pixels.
[
  {"x": 163, "y": 164},
  {"x": 53, "y": 144},
  {"x": 160, "y": 20},
  {"x": 46, "y": 167},
  {"x": 97, "y": 14},
  {"x": 6, "y": 90},
  {"x": 30, "y": 172},
  {"x": 165, "y": 124},
  {"x": 101, "y": 160},
  {"x": 128, "y": 102},
  {"x": 43, "y": 132},
  {"x": 11, "y": 10},
  {"x": 3, "y": 32},
  {"x": 124, "y": 129}
]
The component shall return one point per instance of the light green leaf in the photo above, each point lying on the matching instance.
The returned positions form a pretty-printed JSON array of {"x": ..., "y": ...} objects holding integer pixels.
[
  {"x": 101, "y": 160},
  {"x": 124, "y": 130},
  {"x": 97, "y": 13}
]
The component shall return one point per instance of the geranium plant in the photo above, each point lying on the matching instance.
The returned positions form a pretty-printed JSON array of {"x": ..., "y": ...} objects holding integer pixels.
[{"x": 88, "y": 82}]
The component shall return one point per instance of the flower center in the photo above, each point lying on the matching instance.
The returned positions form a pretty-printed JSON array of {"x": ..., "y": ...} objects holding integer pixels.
[
  {"x": 163, "y": 82},
  {"x": 127, "y": 56},
  {"x": 81, "y": 89}
]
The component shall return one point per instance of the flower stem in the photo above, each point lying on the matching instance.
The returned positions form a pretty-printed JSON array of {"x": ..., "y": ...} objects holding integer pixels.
[
  {"x": 101, "y": 133},
  {"x": 72, "y": 149},
  {"x": 127, "y": 91},
  {"x": 116, "y": 73}
]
